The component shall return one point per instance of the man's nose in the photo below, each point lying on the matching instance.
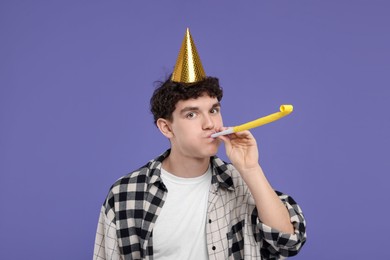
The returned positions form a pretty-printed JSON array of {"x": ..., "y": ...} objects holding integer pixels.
[{"x": 208, "y": 122}]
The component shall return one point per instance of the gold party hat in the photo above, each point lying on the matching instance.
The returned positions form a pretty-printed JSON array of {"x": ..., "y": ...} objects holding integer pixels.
[{"x": 188, "y": 68}]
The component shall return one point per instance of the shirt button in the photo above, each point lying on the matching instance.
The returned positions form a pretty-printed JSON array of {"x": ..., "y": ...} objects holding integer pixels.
[
  {"x": 213, "y": 248},
  {"x": 209, "y": 220}
]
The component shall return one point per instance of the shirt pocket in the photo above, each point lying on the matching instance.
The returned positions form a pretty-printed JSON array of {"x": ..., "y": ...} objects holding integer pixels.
[{"x": 235, "y": 239}]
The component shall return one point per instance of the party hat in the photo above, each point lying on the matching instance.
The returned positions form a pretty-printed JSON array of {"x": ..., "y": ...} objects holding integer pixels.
[{"x": 188, "y": 68}]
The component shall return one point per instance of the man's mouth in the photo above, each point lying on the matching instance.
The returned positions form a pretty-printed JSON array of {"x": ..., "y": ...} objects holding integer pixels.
[{"x": 210, "y": 134}]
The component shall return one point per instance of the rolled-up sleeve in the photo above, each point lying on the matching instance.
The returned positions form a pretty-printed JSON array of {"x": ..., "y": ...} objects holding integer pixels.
[{"x": 278, "y": 244}]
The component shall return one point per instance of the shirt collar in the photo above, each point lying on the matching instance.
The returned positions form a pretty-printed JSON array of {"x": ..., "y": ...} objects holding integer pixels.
[{"x": 220, "y": 174}]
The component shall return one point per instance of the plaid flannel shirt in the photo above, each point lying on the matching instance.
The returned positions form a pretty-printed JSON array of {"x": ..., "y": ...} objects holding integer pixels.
[{"x": 233, "y": 231}]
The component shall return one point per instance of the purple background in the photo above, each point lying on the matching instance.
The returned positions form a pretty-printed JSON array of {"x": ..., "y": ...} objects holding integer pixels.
[{"x": 75, "y": 83}]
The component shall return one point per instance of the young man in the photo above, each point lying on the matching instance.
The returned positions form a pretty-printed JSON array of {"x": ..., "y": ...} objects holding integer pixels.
[{"x": 189, "y": 204}]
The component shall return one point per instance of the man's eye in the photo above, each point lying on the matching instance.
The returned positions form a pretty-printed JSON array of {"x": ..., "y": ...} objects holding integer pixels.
[
  {"x": 191, "y": 115},
  {"x": 214, "y": 111}
]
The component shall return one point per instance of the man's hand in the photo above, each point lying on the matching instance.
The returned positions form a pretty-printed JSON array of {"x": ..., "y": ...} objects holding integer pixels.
[{"x": 241, "y": 149}]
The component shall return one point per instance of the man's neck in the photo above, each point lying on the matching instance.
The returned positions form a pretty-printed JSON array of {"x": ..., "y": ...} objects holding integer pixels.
[{"x": 185, "y": 167}]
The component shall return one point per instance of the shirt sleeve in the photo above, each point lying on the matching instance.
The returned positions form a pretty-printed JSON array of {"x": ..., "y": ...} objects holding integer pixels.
[
  {"x": 277, "y": 244},
  {"x": 106, "y": 241}
]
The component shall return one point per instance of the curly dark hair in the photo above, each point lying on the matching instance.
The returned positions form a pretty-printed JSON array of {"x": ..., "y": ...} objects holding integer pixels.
[{"x": 167, "y": 94}]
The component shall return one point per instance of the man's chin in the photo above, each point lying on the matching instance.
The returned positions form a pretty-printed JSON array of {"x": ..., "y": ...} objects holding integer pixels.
[{"x": 213, "y": 151}]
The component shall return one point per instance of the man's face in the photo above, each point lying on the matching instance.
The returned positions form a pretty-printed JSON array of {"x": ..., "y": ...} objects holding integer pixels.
[{"x": 194, "y": 120}]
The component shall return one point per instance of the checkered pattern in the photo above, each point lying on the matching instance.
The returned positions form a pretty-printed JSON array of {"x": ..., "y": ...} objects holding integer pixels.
[{"x": 233, "y": 228}]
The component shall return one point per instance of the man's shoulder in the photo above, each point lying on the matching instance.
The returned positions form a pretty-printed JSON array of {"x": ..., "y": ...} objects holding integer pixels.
[
  {"x": 138, "y": 175},
  {"x": 138, "y": 178}
]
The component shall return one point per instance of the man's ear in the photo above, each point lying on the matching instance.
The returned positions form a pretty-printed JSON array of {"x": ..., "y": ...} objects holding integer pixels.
[{"x": 165, "y": 127}]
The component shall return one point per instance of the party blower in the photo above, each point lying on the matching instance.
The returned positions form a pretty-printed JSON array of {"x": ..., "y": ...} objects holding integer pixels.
[{"x": 284, "y": 111}]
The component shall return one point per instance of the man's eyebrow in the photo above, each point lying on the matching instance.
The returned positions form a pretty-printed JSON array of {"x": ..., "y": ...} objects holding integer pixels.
[
  {"x": 186, "y": 109},
  {"x": 218, "y": 104}
]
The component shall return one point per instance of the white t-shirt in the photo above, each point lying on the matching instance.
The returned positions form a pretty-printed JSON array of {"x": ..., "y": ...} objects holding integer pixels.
[{"x": 180, "y": 229}]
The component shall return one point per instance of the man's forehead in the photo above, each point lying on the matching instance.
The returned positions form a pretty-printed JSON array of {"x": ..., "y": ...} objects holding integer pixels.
[{"x": 203, "y": 101}]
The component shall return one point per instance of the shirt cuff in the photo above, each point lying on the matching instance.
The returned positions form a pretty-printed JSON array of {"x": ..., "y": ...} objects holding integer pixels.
[{"x": 285, "y": 243}]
